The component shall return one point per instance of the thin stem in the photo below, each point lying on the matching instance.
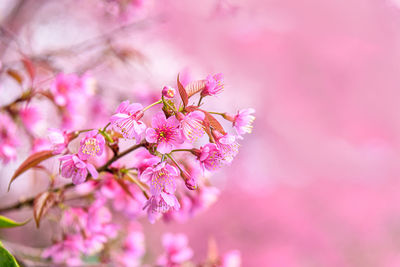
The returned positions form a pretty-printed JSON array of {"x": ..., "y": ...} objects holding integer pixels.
[
  {"x": 105, "y": 127},
  {"x": 216, "y": 113},
  {"x": 139, "y": 184},
  {"x": 118, "y": 156},
  {"x": 183, "y": 150},
  {"x": 152, "y": 105},
  {"x": 174, "y": 161},
  {"x": 201, "y": 98}
]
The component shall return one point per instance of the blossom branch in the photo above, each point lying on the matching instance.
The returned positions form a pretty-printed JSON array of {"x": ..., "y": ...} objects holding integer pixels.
[{"x": 29, "y": 201}]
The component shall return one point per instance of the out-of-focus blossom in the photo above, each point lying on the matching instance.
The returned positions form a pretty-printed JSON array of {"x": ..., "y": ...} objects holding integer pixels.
[
  {"x": 41, "y": 144},
  {"x": 164, "y": 132},
  {"x": 8, "y": 139},
  {"x": 168, "y": 92},
  {"x": 191, "y": 125},
  {"x": 126, "y": 121},
  {"x": 214, "y": 85},
  {"x": 176, "y": 249},
  {"x": 130, "y": 204},
  {"x": 133, "y": 248},
  {"x": 232, "y": 259},
  {"x": 30, "y": 117},
  {"x": 91, "y": 145},
  {"x": 227, "y": 145},
  {"x": 77, "y": 169},
  {"x": 67, "y": 251},
  {"x": 210, "y": 157},
  {"x": 59, "y": 140},
  {"x": 94, "y": 226},
  {"x": 63, "y": 88}
]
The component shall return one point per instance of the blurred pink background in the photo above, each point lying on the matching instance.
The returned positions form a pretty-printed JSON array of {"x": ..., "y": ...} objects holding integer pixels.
[{"x": 317, "y": 182}]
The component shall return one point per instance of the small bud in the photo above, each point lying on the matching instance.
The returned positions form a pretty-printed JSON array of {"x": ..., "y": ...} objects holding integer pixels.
[
  {"x": 168, "y": 92},
  {"x": 229, "y": 117},
  {"x": 190, "y": 181}
]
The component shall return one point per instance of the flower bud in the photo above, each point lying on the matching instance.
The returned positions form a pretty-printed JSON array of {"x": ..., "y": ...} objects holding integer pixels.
[
  {"x": 168, "y": 92},
  {"x": 190, "y": 181}
]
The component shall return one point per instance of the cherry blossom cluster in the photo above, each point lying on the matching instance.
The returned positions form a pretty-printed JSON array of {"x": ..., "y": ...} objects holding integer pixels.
[
  {"x": 173, "y": 130},
  {"x": 175, "y": 146}
]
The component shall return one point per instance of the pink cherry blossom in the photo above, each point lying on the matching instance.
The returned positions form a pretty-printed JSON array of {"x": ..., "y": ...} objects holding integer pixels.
[
  {"x": 91, "y": 145},
  {"x": 214, "y": 85},
  {"x": 161, "y": 179},
  {"x": 126, "y": 121},
  {"x": 63, "y": 88},
  {"x": 67, "y": 251},
  {"x": 227, "y": 145},
  {"x": 59, "y": 140},
  {"x": 164, "y": 132},
  {"x": 77, "y": 169},
  {"x": 210, "y": 157},
  {"x": 8, "y": 139},
  {"x": 41, "y": 144},
  {"x": 191, "y": 125},
  {"x": 131, "y": 205},
  {"x": 30, "y": 117},
  {"x": 176, "y": 249},
  {"x": 243, "y": 121},
  {"x": 143, "y": 159},
  {"x": 133, "y": 248}
]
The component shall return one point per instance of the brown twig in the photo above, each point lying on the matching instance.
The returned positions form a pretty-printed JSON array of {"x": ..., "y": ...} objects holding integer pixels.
[{"x": 29, "y": 201}]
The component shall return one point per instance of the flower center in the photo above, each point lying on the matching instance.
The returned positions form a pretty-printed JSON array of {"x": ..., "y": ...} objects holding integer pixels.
[{"x": 91, "y": 147}]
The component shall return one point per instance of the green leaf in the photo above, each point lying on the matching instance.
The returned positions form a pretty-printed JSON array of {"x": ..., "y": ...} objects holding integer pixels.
[
  {"x": 8, "y": 223},
  {"x": 6, "y": 259}
]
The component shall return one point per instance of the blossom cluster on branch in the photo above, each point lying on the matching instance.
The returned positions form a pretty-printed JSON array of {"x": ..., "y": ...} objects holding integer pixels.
[{"x": 174, "y": 144}]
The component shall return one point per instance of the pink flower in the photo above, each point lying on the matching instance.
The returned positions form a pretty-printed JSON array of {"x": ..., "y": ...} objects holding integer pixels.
[
  {"x": 63, "y": 87},
  {"x": 94, "y": 225},
  {"x": 8, "y": 139},
  {"x": 133, "y": 249},
  {"x": 243, "y": 121},
  {"x": 30, "y": 117},
  {"x": 131, "y": 205},
  {"x": 41, "y": 144},
  {"x": 164, "y": 132},
  {"x": 59, "y": 140},
  {"x": 191, "y": 125},
  {"x": 168, "y": 92},
  {"x": 67, "y": 251},
  {"x": 126, "y": 120},
  {"x": 161, "y": 178},
  {"x": 77, "y": 169},
  {"x": 214, "y": 85},
  {"x": 91, "y": 145},
  {"x": 143, "y": 159},
  {"x": 176, "y": 250},
  {"x": 227, "y": 145},
  {"x": 210, "y": 157}
]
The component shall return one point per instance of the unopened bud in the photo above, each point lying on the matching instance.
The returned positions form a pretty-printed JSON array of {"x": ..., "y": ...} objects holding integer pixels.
[
  {"x": 190, "y": 181},
  {"x": 168, "y": 92}
]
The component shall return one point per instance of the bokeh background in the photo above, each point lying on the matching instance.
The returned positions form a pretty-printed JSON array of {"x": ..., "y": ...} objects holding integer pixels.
[{"x": 317, "y": 182}]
